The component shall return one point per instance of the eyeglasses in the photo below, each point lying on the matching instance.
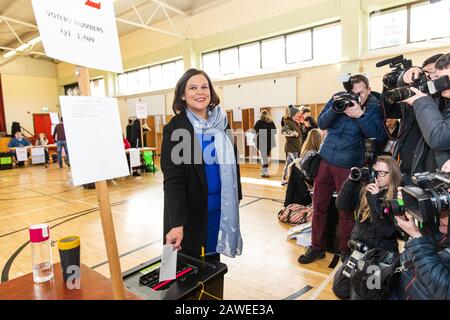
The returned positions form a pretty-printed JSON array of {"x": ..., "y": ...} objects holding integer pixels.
[{"x": 379, "y": 173}]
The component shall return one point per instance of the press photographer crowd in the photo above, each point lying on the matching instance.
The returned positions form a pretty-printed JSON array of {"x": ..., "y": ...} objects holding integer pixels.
[{"x": 384, "y": 163}]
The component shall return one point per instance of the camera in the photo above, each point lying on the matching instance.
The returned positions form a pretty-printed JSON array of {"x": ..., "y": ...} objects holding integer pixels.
[
  {"x": 422, "y": 83},
  {"x": 365, "y": 174},
  {"x": 398, "y": 64},
  {"x": 427, "y": 198},
  {"x": 358, "y": 251},
  {"x": 393, "y": 207},
  {"x": 344, "y": 101}
]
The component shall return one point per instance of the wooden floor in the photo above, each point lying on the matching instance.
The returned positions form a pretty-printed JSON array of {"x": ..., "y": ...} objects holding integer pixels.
[{"x": 267, "y": 269}]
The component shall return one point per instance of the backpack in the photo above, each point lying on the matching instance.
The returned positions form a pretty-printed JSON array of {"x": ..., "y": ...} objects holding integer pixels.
[
  {"x": 295, "y": 214},
  {"x": 309, "y": 164},
  {"x": 387, "y": 263}
]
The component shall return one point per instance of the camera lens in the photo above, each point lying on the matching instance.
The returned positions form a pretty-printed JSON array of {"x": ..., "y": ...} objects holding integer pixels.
[
  {"x": 399, "y": 94},
  {"x": 340, "y": 105},
  {"x": 355, "y": 174}
]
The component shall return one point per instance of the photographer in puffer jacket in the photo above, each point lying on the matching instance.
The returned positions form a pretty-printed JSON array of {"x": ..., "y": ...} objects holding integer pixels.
[
  {"x": 342, "y": 149},
  {"x": 372, "y": 229}
]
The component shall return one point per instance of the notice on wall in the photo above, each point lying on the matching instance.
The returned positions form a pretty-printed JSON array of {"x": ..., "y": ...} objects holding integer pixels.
[
  {"x": 22, "y": 154},
  {"x": 80, "y": 32},
  {"x": 54, "y": 118},
  {"x": 94, "y": 138},
  {"x": 141, "y": 110}
]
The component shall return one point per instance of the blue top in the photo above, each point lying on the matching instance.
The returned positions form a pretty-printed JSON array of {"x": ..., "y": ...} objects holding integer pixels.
[
  {"x": 344, "y": 143},
  {"x": 14, "y": 143},
  {"x": 212, "y": 171}
]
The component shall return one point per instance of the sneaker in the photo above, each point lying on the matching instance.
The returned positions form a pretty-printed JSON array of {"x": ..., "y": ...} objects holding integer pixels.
[{"x": 311, "y": 255}]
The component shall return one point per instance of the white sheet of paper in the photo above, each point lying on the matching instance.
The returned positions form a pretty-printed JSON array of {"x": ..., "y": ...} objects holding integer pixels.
[
  {"x": 21, "y": 154},
  {"x": 54, "y": 118},
  {"x": 83, "y": 33},
  {"x": 94, "y": 138},
  {"x": 135, "y": 157},
  {"x": 141, "y": 110},
  {"x": 304, "y": 238},
  {"x": 237, "y": 114},
  {"x": 168, "y": 268},
  {"x": 37, "y": 155}
]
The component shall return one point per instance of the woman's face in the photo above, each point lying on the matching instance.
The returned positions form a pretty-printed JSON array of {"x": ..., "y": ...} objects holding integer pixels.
[
  {"x": 383, "y": 179},
  {"x": 197, "y": 93}
]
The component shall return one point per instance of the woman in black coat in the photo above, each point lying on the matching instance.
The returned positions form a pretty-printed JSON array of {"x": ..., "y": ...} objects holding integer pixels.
[
  {"x": 373, "y": 228},
  {"x": 196, "y": 197},
  {"x": 265, "y": 140}
]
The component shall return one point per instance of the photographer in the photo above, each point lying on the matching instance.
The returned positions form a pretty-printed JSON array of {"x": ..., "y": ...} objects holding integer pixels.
[
  {"x": 342, "y": 149},
  {"x": 409, "y": 132},
  {"x": 372, "y": 229},
  {"x": 425, "y": 262},
  {"x": 433, "y": 117}
]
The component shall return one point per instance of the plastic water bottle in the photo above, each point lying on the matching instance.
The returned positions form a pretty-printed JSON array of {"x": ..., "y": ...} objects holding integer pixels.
[{"x": 41, "y": 253}]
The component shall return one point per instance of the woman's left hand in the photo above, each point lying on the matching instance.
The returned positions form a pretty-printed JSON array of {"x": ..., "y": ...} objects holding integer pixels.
[{"x": 373, "y": 188}]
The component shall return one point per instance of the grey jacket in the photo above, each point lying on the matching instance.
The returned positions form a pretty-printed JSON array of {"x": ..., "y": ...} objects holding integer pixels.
[{"x": 433, "y": 117}]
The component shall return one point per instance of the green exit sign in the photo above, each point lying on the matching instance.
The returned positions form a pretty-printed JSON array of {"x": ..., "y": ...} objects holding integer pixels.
[{"x": 45, "y": 109}]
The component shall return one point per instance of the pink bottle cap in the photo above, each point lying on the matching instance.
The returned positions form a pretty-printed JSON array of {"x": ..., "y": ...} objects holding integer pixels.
[{"x": 39, "y": 232}]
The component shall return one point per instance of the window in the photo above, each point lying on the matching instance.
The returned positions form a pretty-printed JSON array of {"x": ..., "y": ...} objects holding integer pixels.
[
  {"x": 250, "y": 57},
  {"x": 298, "y": 47},
  {"x": 229, "y": 61},
  {"x": 328, "y": 42},
  {"x": 98, "y": 87},
  {"x": 410, "y": 23},
  {"x": 161, "y": 76},
  {"x": 276, "y": 53},
  {"x": 273, "y": 53},
  {"x": 211, "y": 64},
  {"x": 424, "y": 28}
]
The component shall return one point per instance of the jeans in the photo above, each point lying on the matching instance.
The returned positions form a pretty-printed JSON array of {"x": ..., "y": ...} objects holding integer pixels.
[
  {"x": 59, "y": 145},
  {"x": 329, "y": 179}
]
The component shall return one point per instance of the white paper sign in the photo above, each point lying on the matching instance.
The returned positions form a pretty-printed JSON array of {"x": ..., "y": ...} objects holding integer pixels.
[
  {"x": 135, "y": 157},
  {"x": 37, "y": 155},
  {"x": 168, "y": 268},
  {"x": 80, "y": 32},
  {"x": 21, "y": 154},
  {"x": 94, "y": 138},
  {"x": 54, "y": 118},
  {"x": 141, "y": 110}
]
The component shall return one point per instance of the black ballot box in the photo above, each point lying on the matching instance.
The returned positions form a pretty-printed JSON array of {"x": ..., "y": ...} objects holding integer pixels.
[{"x": 196, "y": 279}]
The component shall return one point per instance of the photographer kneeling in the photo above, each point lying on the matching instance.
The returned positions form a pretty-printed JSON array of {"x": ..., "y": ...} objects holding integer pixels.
[{"x": 372, "y": 229}]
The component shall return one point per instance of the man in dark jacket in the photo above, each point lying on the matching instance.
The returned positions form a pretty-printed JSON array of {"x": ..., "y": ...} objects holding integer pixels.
[
  {"x": 59, "y": 135},
  {"x": 409, "y": 132},
  {"x": 425, "y": 264},
  {"x": 342, "y": 149},
  {"x": 433, "y": 118}
]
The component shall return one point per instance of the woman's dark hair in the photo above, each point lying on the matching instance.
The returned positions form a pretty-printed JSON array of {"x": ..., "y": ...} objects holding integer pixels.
[
  {"x": 311, "y": 121},
  {"x": 179, "y": 104},
  {"x": 432, "y": 59},
  {"x": 443, "y": 62}
]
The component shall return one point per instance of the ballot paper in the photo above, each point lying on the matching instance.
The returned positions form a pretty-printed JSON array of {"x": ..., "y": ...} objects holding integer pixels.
[
  {"x": 168, "y": 268},
  {"x": 21, "y": 154},
  {"x": 37, "y": 155},
  {"x": 304, "y": 238}
]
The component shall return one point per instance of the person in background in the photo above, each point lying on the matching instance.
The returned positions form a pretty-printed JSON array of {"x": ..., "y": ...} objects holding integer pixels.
[
  {"x": 59, "y": 135},
  {"x": 18, "y": 141},
  {"x": 392, "y": 127},
  {"x": 265, "y": 140},
  {"x": 293, "y": 134},
  {"x": 43, "y": 141},
  {"x": 202, "y": 187},
  {"x": 308, "y": 124},
  {"x": 129, "y": 130}
]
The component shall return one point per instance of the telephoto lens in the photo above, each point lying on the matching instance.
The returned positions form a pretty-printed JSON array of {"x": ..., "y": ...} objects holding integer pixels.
[
  {"x": 361, "y": 174},
  {"x": 398, "y": 94}
]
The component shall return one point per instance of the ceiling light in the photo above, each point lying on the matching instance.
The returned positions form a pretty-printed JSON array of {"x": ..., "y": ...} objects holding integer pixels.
[
  {"x": 23, "y": 47},
  {"x": 10, "y": 54},
  {"x": 35, "y": 40}
]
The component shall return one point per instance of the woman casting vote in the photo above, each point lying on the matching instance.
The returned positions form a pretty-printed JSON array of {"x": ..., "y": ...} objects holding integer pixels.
[
  {"x": 202, "y": 186},
  {"x": 372, "y": 229}
]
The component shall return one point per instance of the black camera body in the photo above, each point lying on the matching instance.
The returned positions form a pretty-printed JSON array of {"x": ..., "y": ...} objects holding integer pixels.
[
  {"x": 427, "y": 198},
  {"x": 422, "y": 83},
  {"x": 358, "y": 251},
  {"x": 344, "y": 101},
  {"x": 366, "y": 174},
  {"x": 398, "y": 64}
]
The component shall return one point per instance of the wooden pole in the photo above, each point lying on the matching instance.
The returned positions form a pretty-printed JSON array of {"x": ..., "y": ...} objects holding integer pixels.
[
  {"x": 105, "y": 209},
  {"x": 142, "y": 133}
]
